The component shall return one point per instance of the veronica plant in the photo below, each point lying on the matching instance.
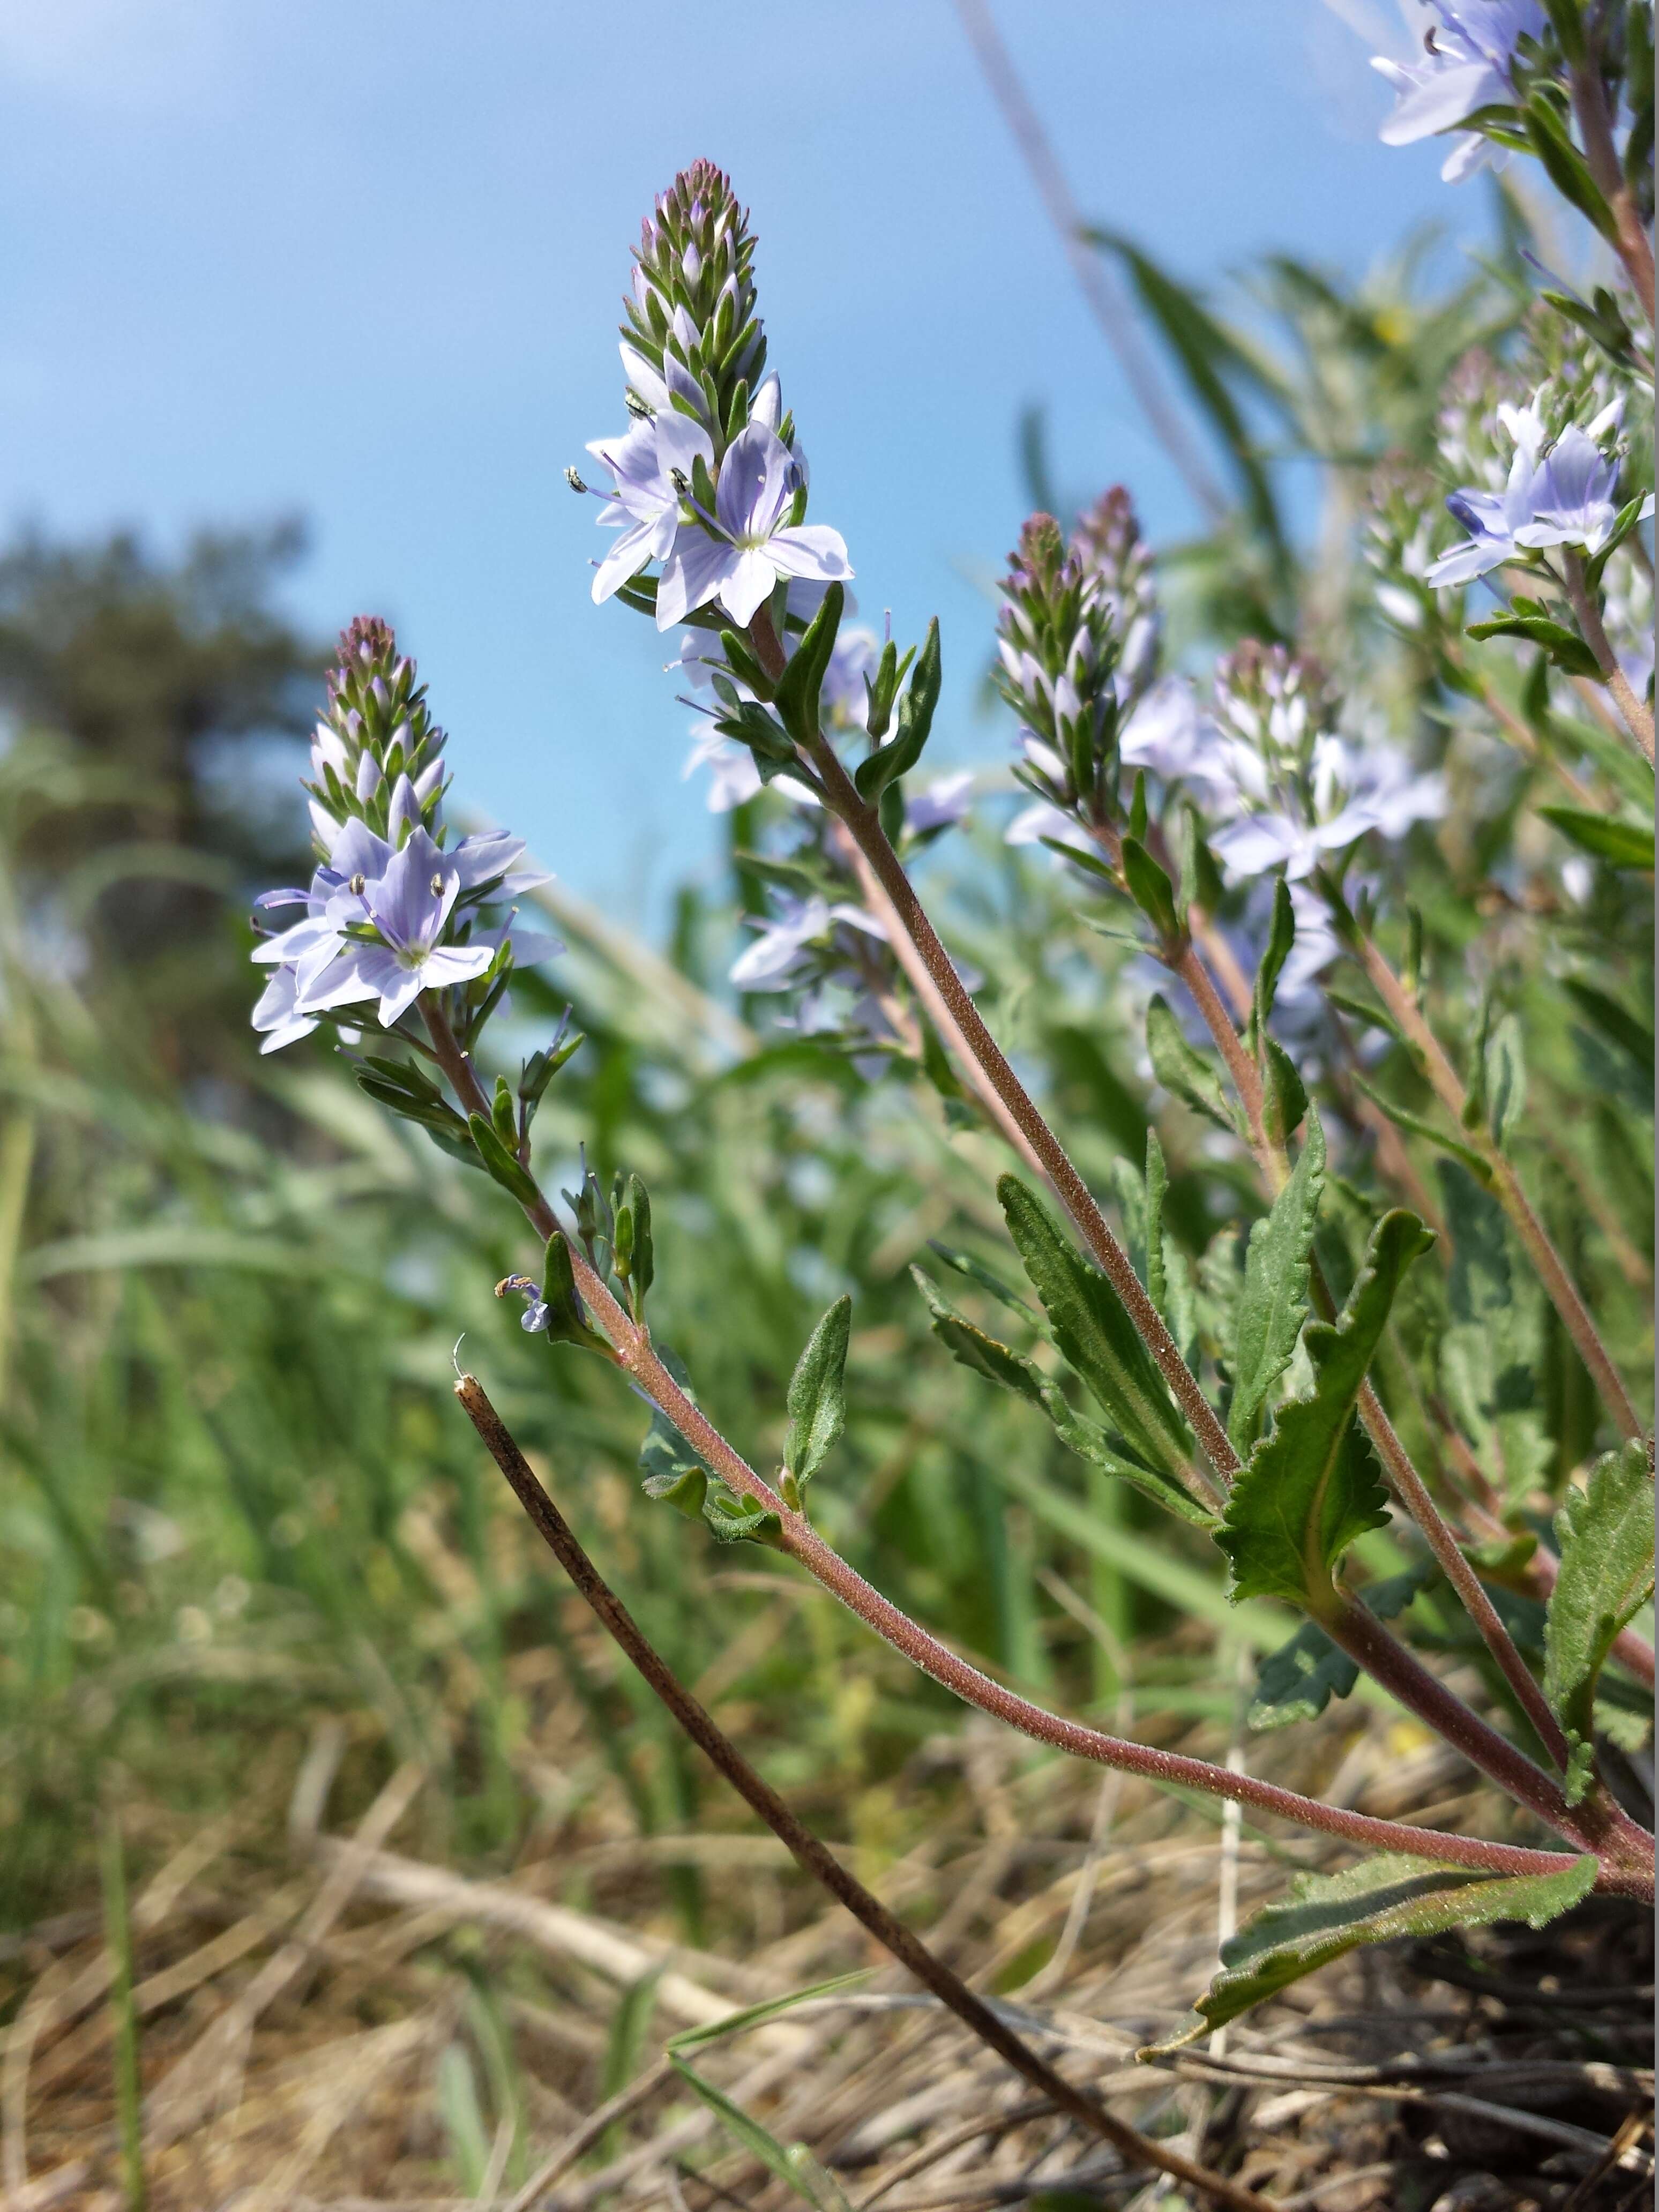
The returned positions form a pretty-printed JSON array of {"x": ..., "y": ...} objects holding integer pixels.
[{"x": 1260, "y": 1401}]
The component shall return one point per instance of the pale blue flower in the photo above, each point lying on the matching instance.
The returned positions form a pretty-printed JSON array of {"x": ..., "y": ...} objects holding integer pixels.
[
  {"x": 739, "y": 552},
  {"x": 652, "y": 464},
  {"x": 407, "y": 905},
  {"x": 781, "y": 950},
  {"x": 1469, "y": 51}
]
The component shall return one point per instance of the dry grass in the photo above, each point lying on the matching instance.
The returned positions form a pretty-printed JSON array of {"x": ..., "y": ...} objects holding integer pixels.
[{"x": 313, "y": 2000}]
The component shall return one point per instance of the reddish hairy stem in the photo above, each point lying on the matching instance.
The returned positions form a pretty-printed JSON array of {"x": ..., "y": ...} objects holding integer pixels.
[
  {"x": 633, "y": 1352},
  {"x": 1408, "y": 1486},
  {"x": 1633, "y": 246},
  {"x": 1506, "y": 1188},
  {"x": 810, "y": 1853},
  {"x": 1637, "y": 715}
]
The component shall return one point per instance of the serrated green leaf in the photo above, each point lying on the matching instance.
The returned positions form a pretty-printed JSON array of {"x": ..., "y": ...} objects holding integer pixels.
[
  {"x": 1151, "y": 889},
  {"x": 1274, "y": 1302},
  {"x": 1310, "y": 1489},
  {"x": 1096, "y": 1336},
  {"x": 1321, "y": 1917},
  {"x": 1298, "y": 1682},
  {"x": 1284, "y": 1098},
  {"x": 1493, "y": 1348},
  {"x": 817, "y": 1400},
  {"x": 971, "y": 1347},
  {"x": 1605, "y": 1534},
  {"x": 1184, "y": 1071},
  {"x": 1608, "y": 836}
]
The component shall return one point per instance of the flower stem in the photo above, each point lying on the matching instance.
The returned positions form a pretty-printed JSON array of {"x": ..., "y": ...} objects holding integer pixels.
[
  {"x": 864, "y": 823},
  {"x": 1506, "y": 1187},
  {"x": 1408, "y": 1486},
  {"x": 633, "y": 1352},
  {"x": 1638, "y": 715},
  {"x": 810, "y": 1853},
  {"x": 1633, "y": 245}
]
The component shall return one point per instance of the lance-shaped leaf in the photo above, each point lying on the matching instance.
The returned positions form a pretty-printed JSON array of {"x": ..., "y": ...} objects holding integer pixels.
[
  {"x": 1605, "y": 1534},
  {"x": 1493, "y": 1349},
  {"x": 1310, "y": 1488},
  {"x": 1281, "y": 938},
  {"x": 1321, "y": 1916},
  {"x": 1096, "y": 1336},
  {"x": 1298, "y": 1680},
  {"x": 1273, "y": 1302},
  {"x": 1184, "y": 1071},
  {"x": 973, "y": 1348},
  {"x": 818, "y": 1394}
]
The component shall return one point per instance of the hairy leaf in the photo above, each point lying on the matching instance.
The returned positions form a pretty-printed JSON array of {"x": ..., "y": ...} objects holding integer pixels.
[
  {"x": 817, "y": 1400},
  {"x": 1184, "y": 1070},
  {"x": 1096, "y": 1335},
  {"x": 1605, "y": 1534},
  {"x": 1310, "y": 1488},
  {"x": 1273, "y": 1304},
  {"x": 1321, "y": 1916},
  {"x": 973, "y": 1348},
  {"x": 1493, "y": 1349},
  {"x": 1298, "y": 1682}
]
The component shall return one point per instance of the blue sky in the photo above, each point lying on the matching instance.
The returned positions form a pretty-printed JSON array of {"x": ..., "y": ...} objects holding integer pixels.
[{"x": 361, "y": 258}]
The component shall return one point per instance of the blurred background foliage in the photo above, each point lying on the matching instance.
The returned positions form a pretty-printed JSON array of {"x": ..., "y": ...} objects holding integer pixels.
[{"x": 236, "y": 1495}]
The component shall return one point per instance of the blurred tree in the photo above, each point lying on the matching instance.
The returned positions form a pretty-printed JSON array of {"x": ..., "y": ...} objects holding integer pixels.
[{"x": 167, "y": 696}]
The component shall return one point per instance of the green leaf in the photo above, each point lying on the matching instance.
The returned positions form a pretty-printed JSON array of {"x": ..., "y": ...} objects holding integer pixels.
[
  {"x": 1283, "y": 1099},
  {"x": 916, "y": 721},
  {"x": 756, "y": 2015},
  {"x": 796, "y": 2166},
  {"x": 1298, "y": 1682},
  {"x": 796, "y": 697},
  {"x": 971, "y": 1347},
  {"x": 1605, "y": 1534},
  {"x": 1415, "y": 1125},
  {"x": 1151, "y": 889},
  {"x": 976, "y": 1272},
  {"x": 1310, "y": 1488},
  {"x": 1095, "y": 1335},
  {"x": 818, "y": 1394},
  {"x": 1506, "y": 1079},
  {"x": 1564, "y": 647},
  {"x": 1493, "y": 1348},
  {"x": 1274, "y": 1302},
  {"x": 1321, "y": 1917},
  {"x": 500, "y": 1165},
  {"x": 1608, "y": 836},
  {"x": 1184, "y": 1071},
  {"x": 1281, "y": 936}
]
